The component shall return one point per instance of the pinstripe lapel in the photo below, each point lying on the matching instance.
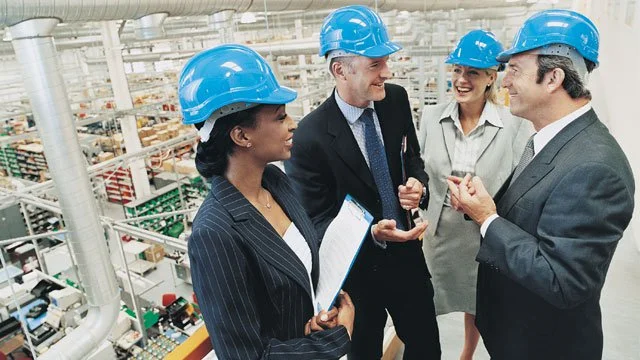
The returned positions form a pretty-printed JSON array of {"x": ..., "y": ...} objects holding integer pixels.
[
  {"x": 543, "y": 163},
  {"x": 284, "y": 195},
  {"x": 257, "y": 231}
]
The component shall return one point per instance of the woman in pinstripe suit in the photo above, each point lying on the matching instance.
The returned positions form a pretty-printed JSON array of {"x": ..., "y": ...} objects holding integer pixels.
[{"x": 253, "y": 250}]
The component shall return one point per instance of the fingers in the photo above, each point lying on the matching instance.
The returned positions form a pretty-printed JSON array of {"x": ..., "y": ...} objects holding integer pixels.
[
  {"x": 345, "y": 299},
  {"x": 455, "y": 179},
  {"x": 327, "y": 319},
  {"x": 410, "y": 194},
  {"x": 307, "y": 328},
  {"x": 314, "y": 324},
  {"x": 412, "y": 182}
]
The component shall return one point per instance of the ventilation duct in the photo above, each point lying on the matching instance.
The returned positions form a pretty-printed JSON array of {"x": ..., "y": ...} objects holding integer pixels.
[
  {"x": 35, "y": 51},
  {"x": 149, "y": 27}
]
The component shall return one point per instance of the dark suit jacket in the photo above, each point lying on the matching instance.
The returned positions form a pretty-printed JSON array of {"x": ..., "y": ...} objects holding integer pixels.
[
  {"x": 543, "y": 262},
  {"x": 253, "y": 290},
  {"x": 327, "y": 164}
]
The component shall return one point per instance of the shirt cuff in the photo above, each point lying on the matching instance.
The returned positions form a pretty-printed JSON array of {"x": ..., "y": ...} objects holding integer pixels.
[
  {"x": 486, "y": 223},
  {"x": 381, "y": 244}
]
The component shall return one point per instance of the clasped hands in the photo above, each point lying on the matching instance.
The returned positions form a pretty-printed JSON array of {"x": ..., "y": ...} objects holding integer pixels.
[
  {"x": 409, "y": 195},
  {"x": 342, "y": 314},
  {"x": 468, "y": 195}
]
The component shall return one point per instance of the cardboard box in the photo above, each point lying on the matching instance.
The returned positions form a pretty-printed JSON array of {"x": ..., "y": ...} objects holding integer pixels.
[
  {"x": 104, "y": 156},
  {"x": 163, "y": 135},
  {"x": 160, "y": 127},
  {"x": 186, "y": 167},
  {"x": 167, "y": 165},
  {"x": 155, "y": 253},
  {"x": 147, "y": 140}
]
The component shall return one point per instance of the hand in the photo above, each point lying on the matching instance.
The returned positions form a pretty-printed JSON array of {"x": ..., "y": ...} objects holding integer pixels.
[
  {"x": 471, "y": 197},
  {"x": 410, "y": 194},
  {"x": 385, "y": 230},
  {"x": 346, "y": 312},
  {"x": 455, "y": 204},
  {"x": 324, "y": 320}
]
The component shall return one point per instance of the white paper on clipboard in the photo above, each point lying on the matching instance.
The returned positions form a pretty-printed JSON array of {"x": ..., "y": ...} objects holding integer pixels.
[{"x": 339, "y": 249}]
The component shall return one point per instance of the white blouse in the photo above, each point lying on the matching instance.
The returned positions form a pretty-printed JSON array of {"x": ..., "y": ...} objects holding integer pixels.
[{"x": 294, "y": 239}]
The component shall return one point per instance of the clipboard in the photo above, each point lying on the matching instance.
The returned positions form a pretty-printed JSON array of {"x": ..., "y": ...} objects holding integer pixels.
[{"x": 340, "y": 246}]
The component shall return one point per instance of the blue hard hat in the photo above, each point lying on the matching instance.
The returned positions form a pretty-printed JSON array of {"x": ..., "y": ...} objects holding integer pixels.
[
  {"x": 556, "y": 27},
  {"x": 358, "y": 30},
  {"x": 226, "y": 75},
  {"x": 478, "y": 49}
]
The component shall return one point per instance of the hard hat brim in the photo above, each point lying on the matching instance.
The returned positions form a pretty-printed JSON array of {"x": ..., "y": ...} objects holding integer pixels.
[
  {"x": 504, "y": 56},
  {"x": 470, "y": 63},
  {"x": 282, "y": 95},
  {"x": 379, "y": 51}
]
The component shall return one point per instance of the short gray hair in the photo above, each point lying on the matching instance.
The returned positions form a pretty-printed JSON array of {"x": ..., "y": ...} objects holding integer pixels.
[
  {"x": 345, "y": 60},
  {"x": 572, "y": 83}
]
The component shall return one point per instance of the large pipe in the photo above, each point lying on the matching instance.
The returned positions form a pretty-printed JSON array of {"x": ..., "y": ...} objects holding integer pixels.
[
  {"x": 36, "y": 53},
  {"x": 15, "y": 11}
]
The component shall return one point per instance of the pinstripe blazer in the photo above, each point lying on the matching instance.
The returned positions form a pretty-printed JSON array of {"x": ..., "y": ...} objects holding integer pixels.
[{"x": 253, "y": 290}]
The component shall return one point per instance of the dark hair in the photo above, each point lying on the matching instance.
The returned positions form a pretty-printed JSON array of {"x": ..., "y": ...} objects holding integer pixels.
[
  {"x": 212, "y": 157},
  {"x": 572, "y": 83}
]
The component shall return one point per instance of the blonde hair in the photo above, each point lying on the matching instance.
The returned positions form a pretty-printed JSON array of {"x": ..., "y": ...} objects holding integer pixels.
[{"x": 491, "y": 92}]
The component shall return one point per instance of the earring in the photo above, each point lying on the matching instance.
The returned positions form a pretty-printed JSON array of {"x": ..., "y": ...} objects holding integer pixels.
[{"x": 248, "y": 145}]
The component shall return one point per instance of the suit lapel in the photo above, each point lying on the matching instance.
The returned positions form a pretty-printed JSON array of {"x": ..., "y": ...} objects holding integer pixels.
[
  {"x": 253, "y": 227},
  {"x": 490, "y": 132},
  {"x": 345, "y": 144},
  {"x": 449, "y": 136},
  {"x": 542, "y": 164},
  {"x": 284, "y": 195}
]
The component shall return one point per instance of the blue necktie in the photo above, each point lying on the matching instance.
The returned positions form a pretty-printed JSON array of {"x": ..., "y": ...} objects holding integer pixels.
[{"x": 380, "y": 171}]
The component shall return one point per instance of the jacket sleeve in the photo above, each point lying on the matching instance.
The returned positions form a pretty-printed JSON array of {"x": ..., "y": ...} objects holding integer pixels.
[
  {"x": 223, "y": 286},
  {"x": 313, "y": 181},
  {"x": 413, "y": 157},
  {"x": 566, "y": 261}
]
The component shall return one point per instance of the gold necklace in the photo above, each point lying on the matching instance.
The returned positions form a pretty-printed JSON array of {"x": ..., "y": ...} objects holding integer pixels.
[{"x": 268, "y": 204}]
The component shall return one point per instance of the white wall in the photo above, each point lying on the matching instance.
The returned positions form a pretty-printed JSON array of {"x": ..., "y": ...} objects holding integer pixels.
[{"x": 616, "y": 83}]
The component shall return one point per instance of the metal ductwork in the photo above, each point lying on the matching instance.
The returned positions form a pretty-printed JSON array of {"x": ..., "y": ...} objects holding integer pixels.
[
  {"x": 15, "y": 11},
  {"x": 36, "y": 53},
  {"x": 149, "y": 27}
]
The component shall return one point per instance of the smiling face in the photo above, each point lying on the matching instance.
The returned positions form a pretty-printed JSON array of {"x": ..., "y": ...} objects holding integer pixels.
[
  {"x": 272, "y": 136},
  {"x": 362, "y": 80},
  {"x": 527, "y": 98},
  {"x": 470, "y": 84}
]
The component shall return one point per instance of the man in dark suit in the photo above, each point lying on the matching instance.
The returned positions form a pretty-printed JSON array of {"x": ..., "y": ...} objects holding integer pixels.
[
  {"x": 548, "y": 242},
  {"x": 351, "y": 144}
]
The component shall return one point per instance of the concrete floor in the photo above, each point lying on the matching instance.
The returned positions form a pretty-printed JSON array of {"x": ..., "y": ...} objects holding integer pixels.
[{"x": 620, "y": 311}]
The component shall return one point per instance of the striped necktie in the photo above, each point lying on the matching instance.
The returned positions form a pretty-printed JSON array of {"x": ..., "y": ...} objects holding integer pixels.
[{"x": 526, "y": 158}]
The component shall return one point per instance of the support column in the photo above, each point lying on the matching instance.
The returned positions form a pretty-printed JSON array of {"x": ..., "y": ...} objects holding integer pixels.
[
  {"x": 113, "y": 54},
  {"x": 304, "y": 82}
]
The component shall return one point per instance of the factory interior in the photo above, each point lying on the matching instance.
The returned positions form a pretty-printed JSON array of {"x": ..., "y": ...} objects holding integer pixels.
[{"x": 98, "y": 183}]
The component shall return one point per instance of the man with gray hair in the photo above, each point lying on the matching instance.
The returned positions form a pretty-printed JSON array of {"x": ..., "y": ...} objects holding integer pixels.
[
  {"x": 361, "y": 141},
  {"x": 548, "y": 239}
]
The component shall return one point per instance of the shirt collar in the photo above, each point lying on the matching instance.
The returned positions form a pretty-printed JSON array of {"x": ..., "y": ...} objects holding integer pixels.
[
  {"x": 350, "y": 112},
  {"x": 489, "y": 114},
  {"x": 548, "y": 132}
]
